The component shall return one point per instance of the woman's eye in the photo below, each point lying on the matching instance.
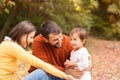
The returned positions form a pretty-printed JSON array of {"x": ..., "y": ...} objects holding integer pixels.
[{"x": 32, "y": 37}]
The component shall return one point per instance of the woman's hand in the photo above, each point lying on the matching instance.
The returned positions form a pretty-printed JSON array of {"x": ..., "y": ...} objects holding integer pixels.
[{"x": 68, "y": 77}]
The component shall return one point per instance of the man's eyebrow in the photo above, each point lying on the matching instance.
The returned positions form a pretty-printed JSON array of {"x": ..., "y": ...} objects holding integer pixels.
[{"x": 55, "y": 39}]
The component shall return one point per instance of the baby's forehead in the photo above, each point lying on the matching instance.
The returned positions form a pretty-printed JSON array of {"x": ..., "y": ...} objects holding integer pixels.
[{"x": 75, "y": 34}]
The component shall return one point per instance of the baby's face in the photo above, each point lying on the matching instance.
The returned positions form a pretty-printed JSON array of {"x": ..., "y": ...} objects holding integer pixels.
[{"x": 75, "y": 41}]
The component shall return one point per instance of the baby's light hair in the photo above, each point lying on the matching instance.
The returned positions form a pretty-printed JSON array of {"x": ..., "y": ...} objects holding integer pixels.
[{"x": 82, "y": 33}]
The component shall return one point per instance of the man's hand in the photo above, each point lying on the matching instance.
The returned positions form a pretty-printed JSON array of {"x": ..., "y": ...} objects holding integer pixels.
[{"x": 75, "y": 72}]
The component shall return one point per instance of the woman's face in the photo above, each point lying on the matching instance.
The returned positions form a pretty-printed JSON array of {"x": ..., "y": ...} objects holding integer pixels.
[{"x": 26, "y": 39}]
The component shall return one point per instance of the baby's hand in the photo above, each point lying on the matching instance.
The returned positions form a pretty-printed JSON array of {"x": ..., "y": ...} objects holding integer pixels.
[
  {"x": 70, "y": 64},
  {"x": 66, "y": 63}
]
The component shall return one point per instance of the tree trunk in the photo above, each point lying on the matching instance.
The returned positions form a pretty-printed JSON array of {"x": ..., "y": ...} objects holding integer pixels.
[{"x": 7, "y": 23}]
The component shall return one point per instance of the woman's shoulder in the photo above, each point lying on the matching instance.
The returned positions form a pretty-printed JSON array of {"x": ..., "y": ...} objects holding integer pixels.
[
  {"x": 6, "y": 43},
  {"x": 10, "y": 44}
]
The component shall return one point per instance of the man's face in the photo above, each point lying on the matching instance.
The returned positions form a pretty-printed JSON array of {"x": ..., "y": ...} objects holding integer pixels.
[{"x": 55, "y": 40}]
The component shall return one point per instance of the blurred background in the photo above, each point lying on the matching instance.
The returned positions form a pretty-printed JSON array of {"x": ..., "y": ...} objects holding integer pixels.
[{"x": 100, "y": 17}]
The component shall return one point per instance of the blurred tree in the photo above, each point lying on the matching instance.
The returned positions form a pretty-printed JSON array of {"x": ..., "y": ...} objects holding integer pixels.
[
  {"x": 6, "y": 6},
  {"x": 106, "y": 19},
  {"x": 97, "y": 16}
]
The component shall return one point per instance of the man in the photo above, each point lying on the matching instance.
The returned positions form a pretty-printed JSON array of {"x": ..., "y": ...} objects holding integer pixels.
[{"x": 52, "y": 47}]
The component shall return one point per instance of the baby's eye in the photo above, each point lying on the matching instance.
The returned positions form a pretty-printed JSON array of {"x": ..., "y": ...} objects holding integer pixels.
[{"x": 74, "y": 38}]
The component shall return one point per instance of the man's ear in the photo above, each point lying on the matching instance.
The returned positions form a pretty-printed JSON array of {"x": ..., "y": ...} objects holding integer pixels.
[{"x": 46, "y": 40}]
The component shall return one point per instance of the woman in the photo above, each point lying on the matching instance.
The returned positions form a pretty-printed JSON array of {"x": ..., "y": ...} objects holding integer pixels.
[{"x": 12, "y": 50}]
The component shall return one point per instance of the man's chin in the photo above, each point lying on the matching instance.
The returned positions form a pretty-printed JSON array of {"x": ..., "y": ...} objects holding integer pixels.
[{"x": 58, "y": 46}]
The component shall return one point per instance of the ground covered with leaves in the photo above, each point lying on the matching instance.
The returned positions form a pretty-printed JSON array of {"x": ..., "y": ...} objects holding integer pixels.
[{"x": 105, "y": 60}]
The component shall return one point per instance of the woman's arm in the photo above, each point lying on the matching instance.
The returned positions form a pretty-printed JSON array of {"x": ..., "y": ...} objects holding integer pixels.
[{"x": 18, "y": 52}]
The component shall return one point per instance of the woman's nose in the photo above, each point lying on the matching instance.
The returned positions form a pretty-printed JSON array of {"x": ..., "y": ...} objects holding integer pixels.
[{"x": 31, "y": 41}]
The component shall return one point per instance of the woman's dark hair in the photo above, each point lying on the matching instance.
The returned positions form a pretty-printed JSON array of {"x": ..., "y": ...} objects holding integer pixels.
[
  {"x": 49, "y": 27},
  {"x": 81, "y": 31},
  {"x": 24, "y": 27}
]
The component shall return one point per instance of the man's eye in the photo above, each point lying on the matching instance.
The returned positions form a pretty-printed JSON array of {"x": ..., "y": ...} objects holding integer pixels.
[{"x": 60, "y": 37}]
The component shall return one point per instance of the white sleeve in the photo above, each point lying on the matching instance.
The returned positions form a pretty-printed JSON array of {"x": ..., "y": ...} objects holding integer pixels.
[{"x": 84, "y": 62}]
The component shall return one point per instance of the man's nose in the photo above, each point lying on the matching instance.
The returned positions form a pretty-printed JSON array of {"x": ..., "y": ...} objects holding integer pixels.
[{"x": 59, "y": 40}]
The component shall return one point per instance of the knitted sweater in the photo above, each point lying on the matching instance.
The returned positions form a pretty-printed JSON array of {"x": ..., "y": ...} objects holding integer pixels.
[
  {"x": 50, "y": 54},
  {"x": 10, "y": 52}
]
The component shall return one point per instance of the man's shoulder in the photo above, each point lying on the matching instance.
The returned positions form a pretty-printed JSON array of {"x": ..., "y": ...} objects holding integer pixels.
[
  {"x": 65, "y": 37},
  {"x": 66, "y": 40},
  {"x": 38, "y": 37}
]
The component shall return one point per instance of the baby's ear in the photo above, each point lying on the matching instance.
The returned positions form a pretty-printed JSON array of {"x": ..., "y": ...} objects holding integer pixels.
[{"x": 84, "y": 41}]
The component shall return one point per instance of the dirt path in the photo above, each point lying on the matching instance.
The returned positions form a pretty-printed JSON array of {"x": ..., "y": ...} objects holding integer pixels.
[{"x": 105, "y": 59}]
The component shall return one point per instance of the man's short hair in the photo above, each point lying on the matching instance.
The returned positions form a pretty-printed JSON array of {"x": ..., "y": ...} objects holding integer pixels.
[{"x": 49, "y": 27}]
